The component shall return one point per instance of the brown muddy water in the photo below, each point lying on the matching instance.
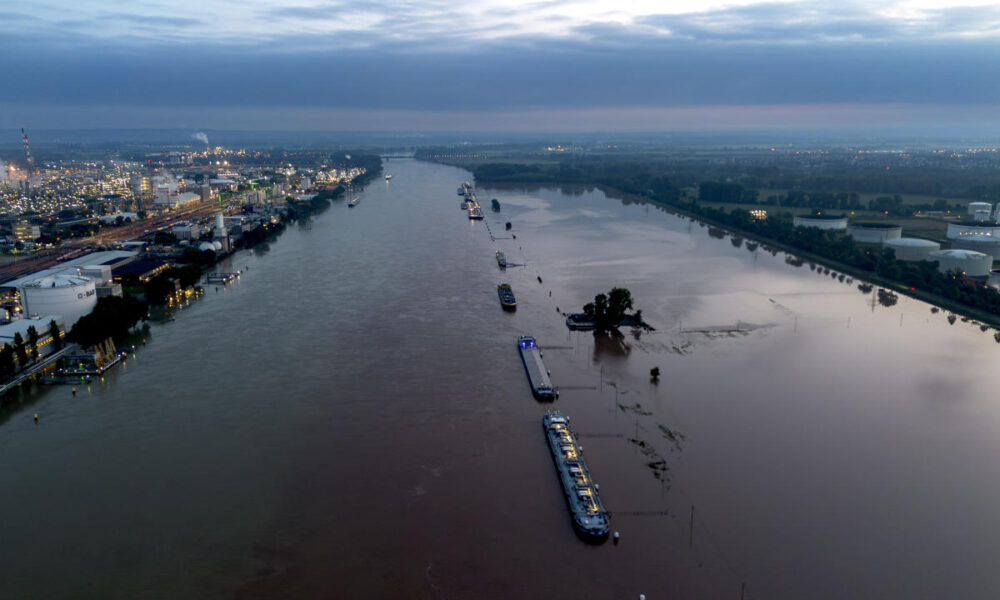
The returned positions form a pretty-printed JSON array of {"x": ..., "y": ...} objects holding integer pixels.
[{"x": 352, "y": 420}]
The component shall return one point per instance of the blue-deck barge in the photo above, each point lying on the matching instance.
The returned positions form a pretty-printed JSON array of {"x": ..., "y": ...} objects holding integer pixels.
[{"x": 538, "y": 377}]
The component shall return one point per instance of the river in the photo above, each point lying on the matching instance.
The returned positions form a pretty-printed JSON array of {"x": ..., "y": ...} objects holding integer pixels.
[{"x": 351, "y": 419}]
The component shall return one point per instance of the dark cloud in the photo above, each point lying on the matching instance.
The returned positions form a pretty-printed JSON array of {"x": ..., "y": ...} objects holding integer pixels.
[
  {"x": 764, "y": 54},
  {"x": 542, "y": 73}
]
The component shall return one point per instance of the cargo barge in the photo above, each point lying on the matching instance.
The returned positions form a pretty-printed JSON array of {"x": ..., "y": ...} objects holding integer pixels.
[
  {"x": 538, "y": 377},
  {"x": 590, "y": 519},
  {"x": 506, "y": 294}
]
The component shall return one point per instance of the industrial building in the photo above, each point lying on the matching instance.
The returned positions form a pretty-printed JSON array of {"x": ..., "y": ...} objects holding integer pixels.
[
  {"x": 26, "y": 232},
  {"x": 176, "y": 200},
  {"x": 42, "y": 326},
  {"x": 971, "y": 228},
  {"x": 69, "y": 290}
]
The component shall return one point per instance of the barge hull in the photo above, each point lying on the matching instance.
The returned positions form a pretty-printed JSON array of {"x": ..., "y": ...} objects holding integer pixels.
[{"x": 538, "y": 377}]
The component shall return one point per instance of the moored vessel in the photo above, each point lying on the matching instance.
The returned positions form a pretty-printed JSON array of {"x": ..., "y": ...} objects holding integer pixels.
[
  {"x": 590, "y": 519},
  {"x": 501, "y": 260},
  {"x": 506, "y": 294},
  {"x": 354, "y": 202},
  {"x": 538, "y": 377}
]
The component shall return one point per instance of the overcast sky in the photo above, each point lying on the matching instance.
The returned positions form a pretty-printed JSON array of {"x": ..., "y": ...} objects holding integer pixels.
[{"x": 499, "y": 64}]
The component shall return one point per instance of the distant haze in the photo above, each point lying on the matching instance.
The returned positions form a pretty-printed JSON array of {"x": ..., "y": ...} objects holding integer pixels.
[{"x": 504, "y": 66}]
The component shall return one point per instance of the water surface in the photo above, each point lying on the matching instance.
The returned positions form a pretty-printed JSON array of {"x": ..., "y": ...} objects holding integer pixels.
[{"x": 352, "y": 420}]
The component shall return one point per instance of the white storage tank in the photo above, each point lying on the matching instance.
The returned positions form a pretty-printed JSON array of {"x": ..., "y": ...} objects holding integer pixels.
[
  {"x": 975, "y": 207},
  {"x": 874, "y": 233},
  {"x": 982, "y": 216},
  {"x": 821, "y": 221},
  {"x": 966, "y": 262},
  {"x": 987, "y": 244},
  {"x": 912, "y": 248},
  {"x": 970, "y": 228},
  {"x": 69, "y": 296}
]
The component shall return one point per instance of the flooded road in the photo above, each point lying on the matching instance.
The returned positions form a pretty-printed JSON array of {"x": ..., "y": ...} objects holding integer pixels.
[{"x": 351, "y": 419}]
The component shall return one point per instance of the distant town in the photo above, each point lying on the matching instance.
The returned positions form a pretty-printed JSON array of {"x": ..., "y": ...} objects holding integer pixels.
[{"x": 138, "y": 230}]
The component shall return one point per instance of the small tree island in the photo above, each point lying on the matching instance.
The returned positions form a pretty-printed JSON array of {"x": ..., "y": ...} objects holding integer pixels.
[{"x": 608, "y": 312}]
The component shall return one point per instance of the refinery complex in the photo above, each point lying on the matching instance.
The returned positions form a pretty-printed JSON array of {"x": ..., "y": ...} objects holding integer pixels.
[{"x": 75, "y": 230}]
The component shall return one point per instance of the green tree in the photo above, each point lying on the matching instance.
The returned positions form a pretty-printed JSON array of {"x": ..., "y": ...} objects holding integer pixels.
[
  {"x": 112, "y": 317},
  {"x": 33, "y": 342},
  {"x": 7, "y": 366},
  {"x": 57, "y": 342},
  {"x": 19, "y": 352},
  {"x": 608, "y": 310}
]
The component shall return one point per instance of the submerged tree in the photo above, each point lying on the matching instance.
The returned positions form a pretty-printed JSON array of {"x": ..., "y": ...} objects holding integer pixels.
[{"x": 608, "y": 310}]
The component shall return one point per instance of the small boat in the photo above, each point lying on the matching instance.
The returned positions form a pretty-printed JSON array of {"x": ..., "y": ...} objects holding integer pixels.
[
  {"x": 501, "y": 260},
  {"x": 495, "y": 204},
  {"x": 580, "y": 322},
  {"x": 354, "y": 202},
  {"x": 388, "y": 176},
  {"x": 476, "y": 213},
  {"x": 506, "y": 294}
]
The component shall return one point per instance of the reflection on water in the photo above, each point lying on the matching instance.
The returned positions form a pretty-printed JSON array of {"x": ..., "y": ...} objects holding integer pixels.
[{"x": 352, "y": 419}]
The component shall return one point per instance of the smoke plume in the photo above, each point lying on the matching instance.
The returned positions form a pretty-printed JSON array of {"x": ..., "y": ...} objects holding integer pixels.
[{"x": 201, "y": 137}]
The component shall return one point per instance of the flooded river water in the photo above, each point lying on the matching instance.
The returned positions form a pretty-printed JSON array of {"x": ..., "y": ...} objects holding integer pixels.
[{"x": 351, "y": 419}]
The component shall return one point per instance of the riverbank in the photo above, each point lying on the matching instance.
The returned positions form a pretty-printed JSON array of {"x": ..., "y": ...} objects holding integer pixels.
[
  {"x": 115, "y": 317},
  {"x": 743, "y": 224}
]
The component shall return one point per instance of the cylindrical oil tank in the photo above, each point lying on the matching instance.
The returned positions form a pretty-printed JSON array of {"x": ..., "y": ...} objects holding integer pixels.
[
  {"x": 977, "y": 206},
  {"x": 971, "y": 228},
  {"x": 68, "y": 296},
  {"x": 966, "y": 262},
  {"x": 821, "y": 221},
  {"x": 912, "y": 248},
  {"x": 987, "y": 244},
  {"x": 874, "y": 233},
  {"x": 982, "y": 216}
]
